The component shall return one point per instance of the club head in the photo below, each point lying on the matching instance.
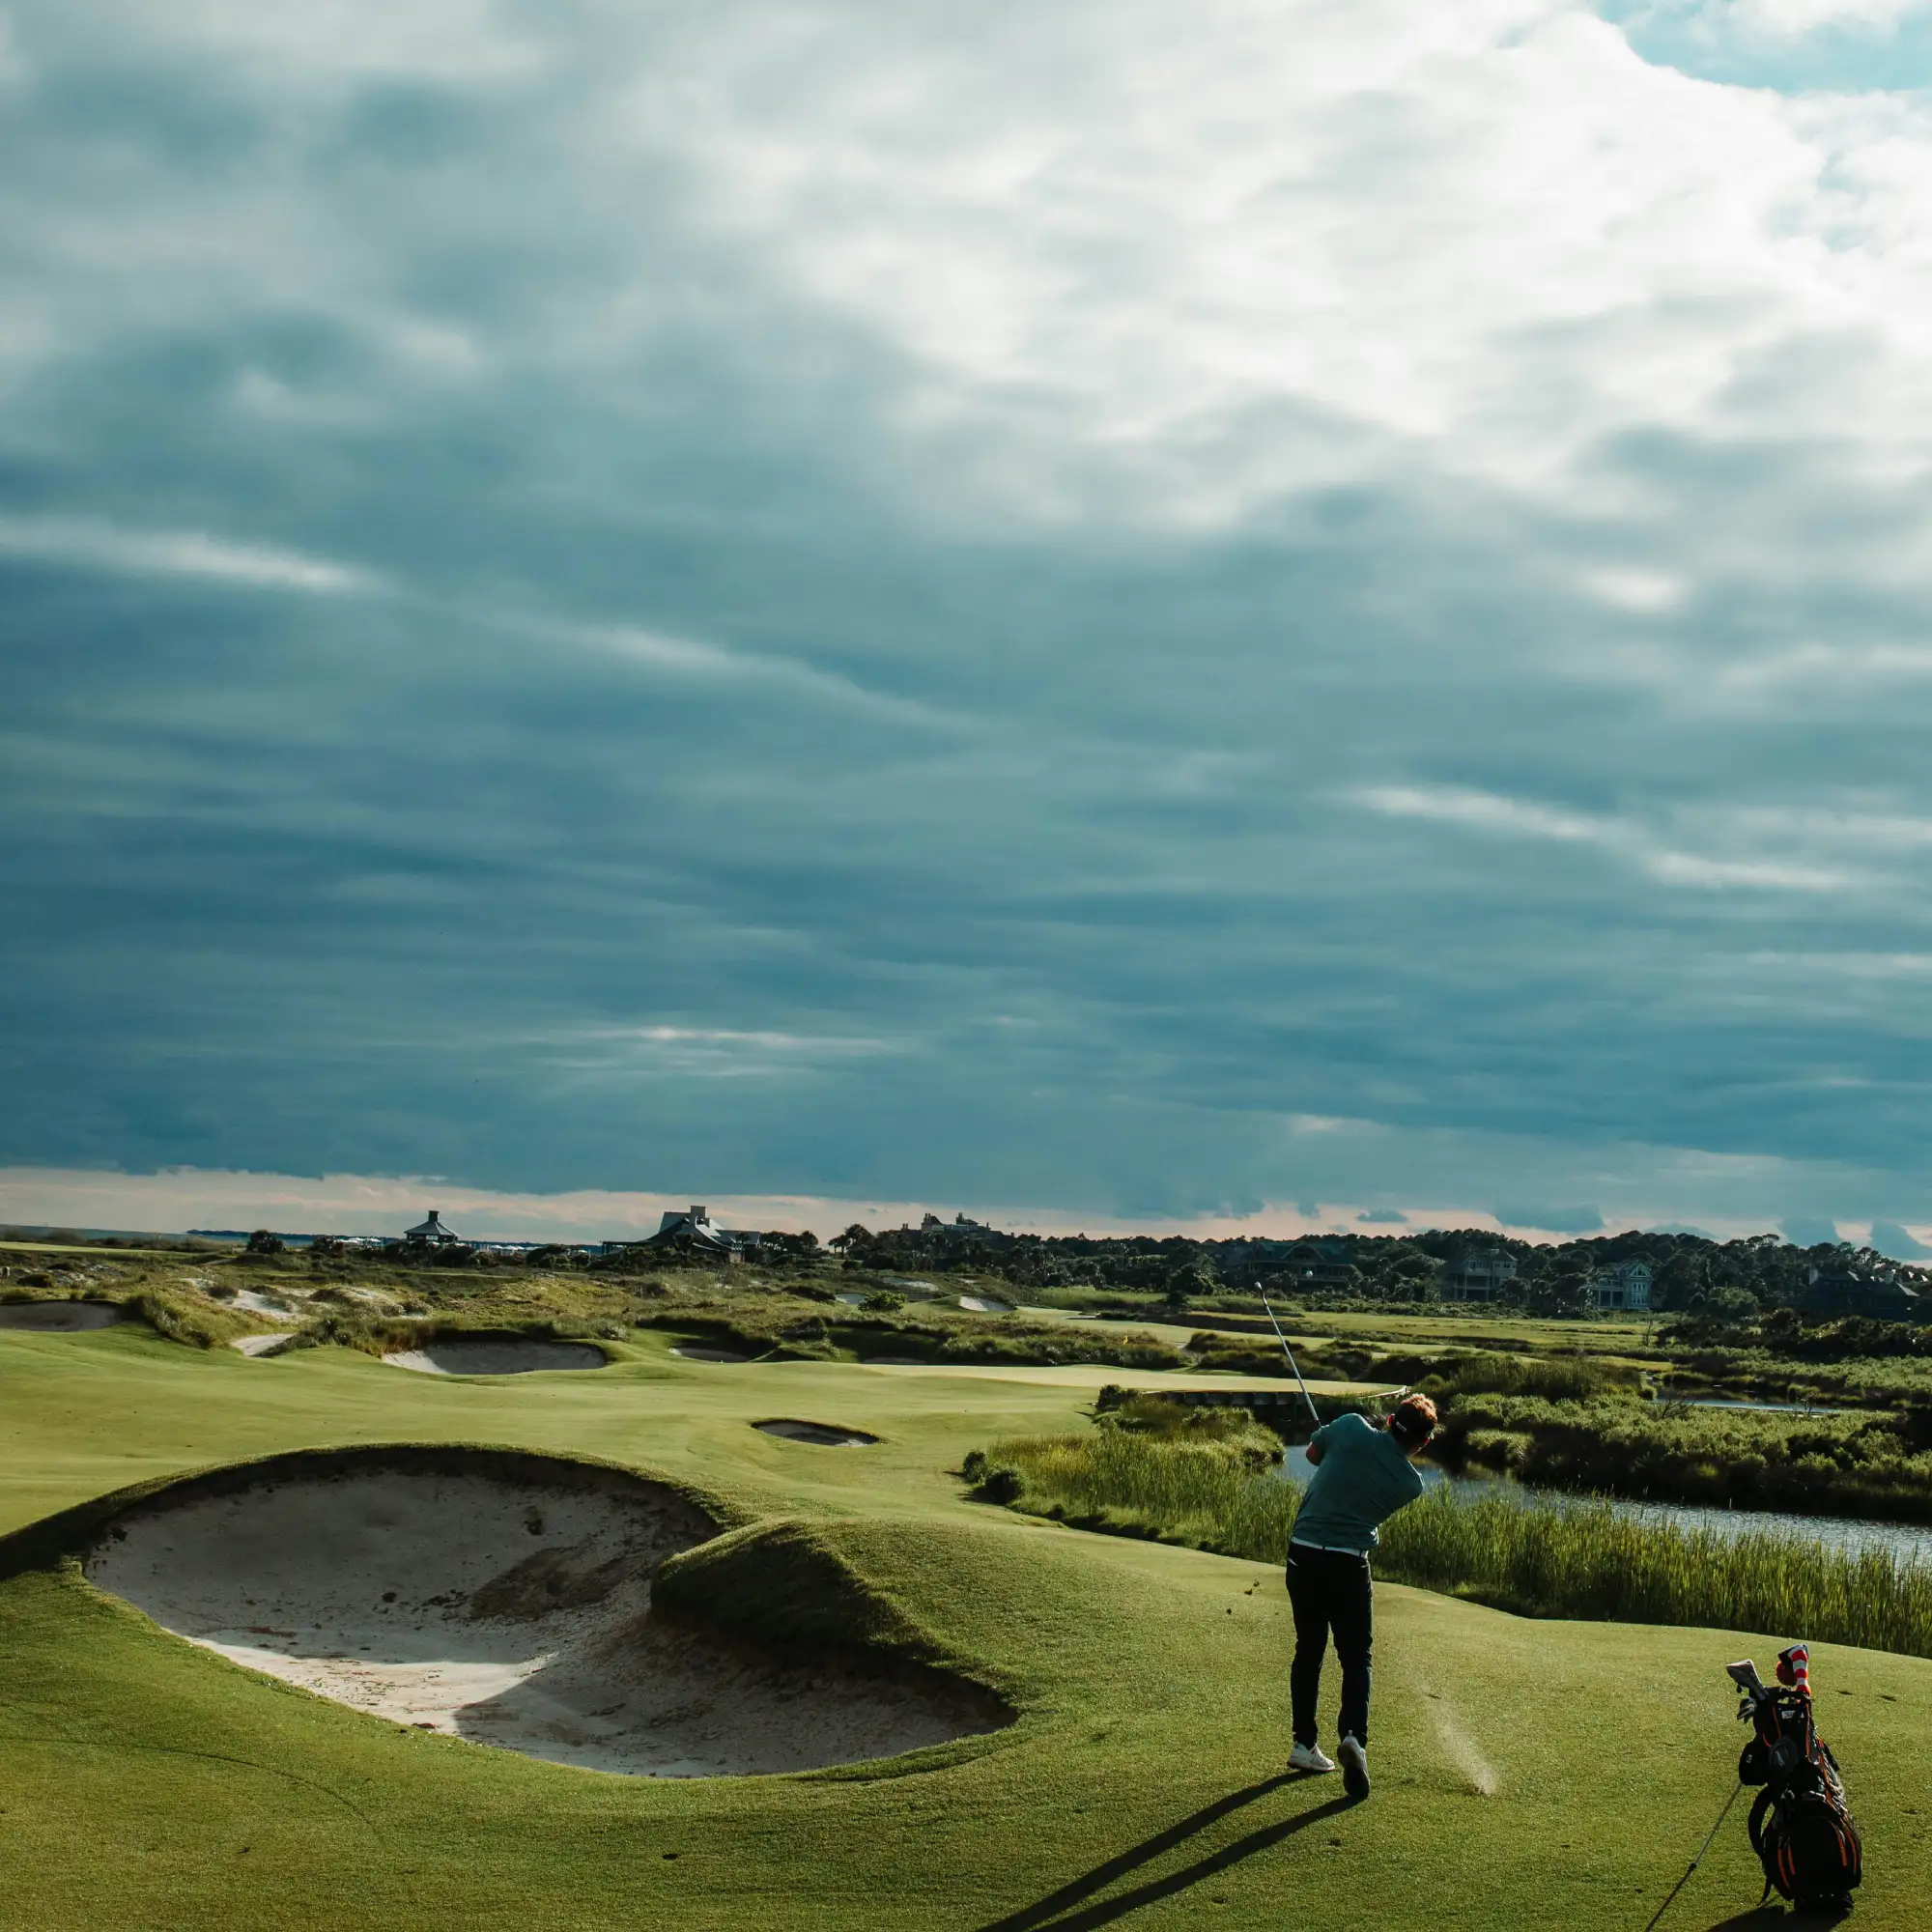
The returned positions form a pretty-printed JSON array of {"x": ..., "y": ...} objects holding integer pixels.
[{"x": 1744, "y": 1674}]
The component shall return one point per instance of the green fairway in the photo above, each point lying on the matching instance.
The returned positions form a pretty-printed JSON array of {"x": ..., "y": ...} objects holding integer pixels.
[{"x": 1529, "y": 1774}]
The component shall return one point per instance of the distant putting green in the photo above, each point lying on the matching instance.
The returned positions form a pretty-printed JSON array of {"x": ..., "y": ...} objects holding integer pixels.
[{"x": 1528, "y": 1774}]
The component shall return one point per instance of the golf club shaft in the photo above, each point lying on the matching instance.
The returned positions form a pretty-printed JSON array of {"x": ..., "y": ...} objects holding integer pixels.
[
  {"x": 1291, "y": 1363},
  {"x": 1696, "y": 1861}
]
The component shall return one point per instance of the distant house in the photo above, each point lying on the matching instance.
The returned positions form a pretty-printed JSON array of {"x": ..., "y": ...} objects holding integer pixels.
[
  {"x": 1318, "y": 1264},
  {"x": 1626, "y": 1285},
  {"x": 1844, "y": 1291},
  {"x": 934, "y": 1235},
  {"x": 694, "y": 1232},
  {"x": 434, "y": 1234},
  {"x": 1478, "y": 1274}
]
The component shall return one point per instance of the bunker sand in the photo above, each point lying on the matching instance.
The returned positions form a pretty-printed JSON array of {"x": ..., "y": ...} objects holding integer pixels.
[
  {"x": 508, "y": 1612},
  {"x": 59, "y": 1318},
  {"x": 496, "y": 1355}
]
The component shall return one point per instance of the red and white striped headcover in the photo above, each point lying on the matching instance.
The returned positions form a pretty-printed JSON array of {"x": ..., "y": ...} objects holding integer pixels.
[{"x": 1793, "y": 1667}]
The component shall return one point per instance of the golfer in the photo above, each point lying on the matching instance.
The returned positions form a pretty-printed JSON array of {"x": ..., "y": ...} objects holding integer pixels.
[{"x": 1362, "y": 1476}]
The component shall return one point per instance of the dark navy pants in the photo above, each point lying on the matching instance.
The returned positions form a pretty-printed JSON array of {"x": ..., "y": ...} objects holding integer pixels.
[{"x": 1330, "y": 1592}]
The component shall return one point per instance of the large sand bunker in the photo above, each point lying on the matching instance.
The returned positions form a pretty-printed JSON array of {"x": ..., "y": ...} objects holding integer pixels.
[
  {"x": 500, "y": 1598},
  {"x": 496, "y": 1355},
  {"x": 59, "y": 1318}
]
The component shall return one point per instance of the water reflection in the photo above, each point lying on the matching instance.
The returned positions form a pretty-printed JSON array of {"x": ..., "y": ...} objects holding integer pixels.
[{"x": 1758, "y": 1407}]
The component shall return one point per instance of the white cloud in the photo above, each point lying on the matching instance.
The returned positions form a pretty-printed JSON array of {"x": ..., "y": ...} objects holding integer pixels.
[
  {"x": 1806, "y": 17},
  {"x": 1491, "y": 233},
  {"x": 1638, "y": 844},
  {"x": 1151, "y": 263},
  {"x": 1637, "y": 589},
  {"x": 96, "y": 546},
  {"x": 700, "y": 1053},
  {"x": 328, "y": 43}
]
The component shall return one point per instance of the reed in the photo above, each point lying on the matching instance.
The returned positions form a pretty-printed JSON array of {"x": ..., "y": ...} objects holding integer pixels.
[
  {"x": 1580, "y": 1558},
  {"x": 1587, "y": 1559},
  {"x": 1200, "y": 1492}
]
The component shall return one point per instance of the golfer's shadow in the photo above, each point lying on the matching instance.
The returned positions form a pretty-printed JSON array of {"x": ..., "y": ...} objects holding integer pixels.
[{"x": 1045, "y": 1914}]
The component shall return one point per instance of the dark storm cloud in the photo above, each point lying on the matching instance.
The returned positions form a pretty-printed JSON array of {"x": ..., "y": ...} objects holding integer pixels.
[{"x": 532, "y": 656}]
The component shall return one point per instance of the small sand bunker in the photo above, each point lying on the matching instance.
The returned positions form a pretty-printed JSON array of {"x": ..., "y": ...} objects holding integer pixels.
[
  {"x": 496, "y": 1355},
  {"x": 823, "y": 1433},
  {"x": 708, "y": 1354},
  {"x": 981, "y": 1304},
  {"x": 499, "y": 1598},
  {"x": 260, "y": 1345},
  {"x": 59, "y": 1318}
]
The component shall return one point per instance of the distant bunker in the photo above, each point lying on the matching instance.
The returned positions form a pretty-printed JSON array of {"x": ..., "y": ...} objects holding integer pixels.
[
  {"x": 827, "y": 1434},
  {"x": 59, "y": 1318},
  {"x": 496, "y": 1355},
  {"x": 504, "y": 1599}
]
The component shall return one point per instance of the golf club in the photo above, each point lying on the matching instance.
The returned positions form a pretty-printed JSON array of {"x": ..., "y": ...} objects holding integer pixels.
[
  {"x": 1701, "y": 1849},
  {"x": 1291, "y": 1363}
]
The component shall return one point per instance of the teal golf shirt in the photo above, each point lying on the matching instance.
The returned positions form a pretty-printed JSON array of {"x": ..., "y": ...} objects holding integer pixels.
[{"x": 1364, "y": 1477}]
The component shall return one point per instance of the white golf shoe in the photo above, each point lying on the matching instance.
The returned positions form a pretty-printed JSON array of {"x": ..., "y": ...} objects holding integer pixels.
[
  {"x": 1354, "y": 1766},
  {"x": 1310, "y": 1757}
]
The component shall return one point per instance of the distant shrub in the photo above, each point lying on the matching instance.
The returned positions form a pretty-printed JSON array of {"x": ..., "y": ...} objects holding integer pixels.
[
  {"x": 1555, "y": 1379},
  {"x": 1858, "y": 1463},
  {"x": 1002, "y": 1484}
]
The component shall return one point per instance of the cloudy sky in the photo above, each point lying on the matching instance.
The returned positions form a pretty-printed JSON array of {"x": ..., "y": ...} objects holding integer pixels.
[{"x": 1158, "y": 610}]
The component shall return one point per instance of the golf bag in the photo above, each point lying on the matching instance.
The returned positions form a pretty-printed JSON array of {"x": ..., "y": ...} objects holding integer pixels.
[{"x": 1800, "y": 1827}]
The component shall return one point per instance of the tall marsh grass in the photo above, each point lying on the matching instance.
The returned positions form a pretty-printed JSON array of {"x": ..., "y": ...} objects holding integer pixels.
[
  {"x": 1567, "y": 1559},
  {"x": 1199, "y": 1492},
  {"x": 1588, "y": 1559}
]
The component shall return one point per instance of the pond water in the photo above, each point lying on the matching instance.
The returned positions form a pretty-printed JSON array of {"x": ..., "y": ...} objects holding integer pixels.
[
  {"x": 1760, "y": 1408},
  {"x": 1910, "y": 1541}
]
